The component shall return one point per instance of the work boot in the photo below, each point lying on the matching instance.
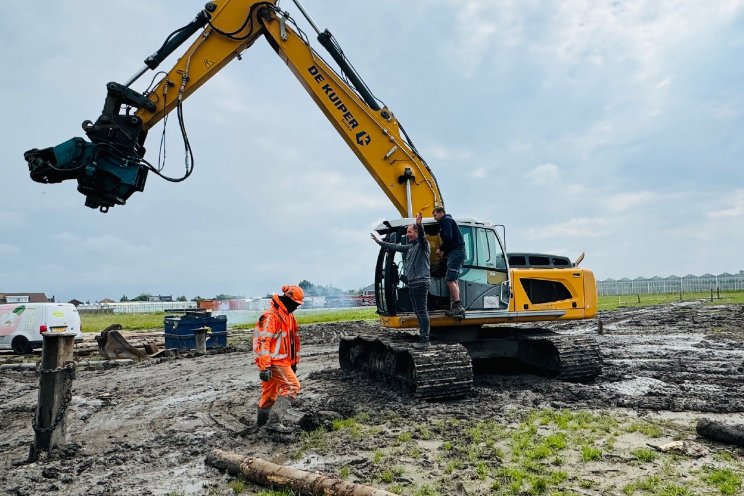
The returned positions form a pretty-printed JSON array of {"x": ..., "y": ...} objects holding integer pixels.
[
  {"x": 459, "y": 311},
  {"x": 278, "y": 412},
  {"x": 262, "y": 416},
  {"x": 422, "y": 344}
]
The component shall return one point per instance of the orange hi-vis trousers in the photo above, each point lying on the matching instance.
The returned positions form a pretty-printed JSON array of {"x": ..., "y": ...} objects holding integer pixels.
[{"x": 283, "y": 382}]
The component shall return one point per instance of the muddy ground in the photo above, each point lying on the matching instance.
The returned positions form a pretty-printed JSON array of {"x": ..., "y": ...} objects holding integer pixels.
[{"x": 146, "y": 428}]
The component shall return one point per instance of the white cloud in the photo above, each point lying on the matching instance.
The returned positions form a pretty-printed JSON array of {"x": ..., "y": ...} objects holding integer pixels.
[
  {"x": 7, "y": 250},
  {"x": 734, "y": 208},
  {"x": 622, "y": 202},
  {"x": 574, "y": 228},
  {"x": 443, "y": 152},
  {"x": 479, "y": 172},
  {"x": 547, "y": 173}
]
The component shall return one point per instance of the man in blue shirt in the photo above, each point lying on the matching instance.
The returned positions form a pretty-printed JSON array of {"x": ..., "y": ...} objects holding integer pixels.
[{"x": 453, "y": 248}]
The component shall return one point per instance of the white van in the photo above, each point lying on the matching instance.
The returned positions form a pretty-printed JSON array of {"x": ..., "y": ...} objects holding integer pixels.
[{"x": 22, "y": 324}]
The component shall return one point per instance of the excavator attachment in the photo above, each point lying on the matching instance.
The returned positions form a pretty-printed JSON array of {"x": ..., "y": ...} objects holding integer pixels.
[
  {"x": 112, "y": 345},
  {"x": 109, "y": 168}
]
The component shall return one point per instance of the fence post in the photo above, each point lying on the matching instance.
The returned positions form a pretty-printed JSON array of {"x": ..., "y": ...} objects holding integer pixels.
[
  {"x": 200, "y": 336},
  {"x": 55, "y": 392}
]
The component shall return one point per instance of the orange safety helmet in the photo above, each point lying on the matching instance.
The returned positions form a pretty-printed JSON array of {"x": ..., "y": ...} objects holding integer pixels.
[{"x": 294, "y": 293}]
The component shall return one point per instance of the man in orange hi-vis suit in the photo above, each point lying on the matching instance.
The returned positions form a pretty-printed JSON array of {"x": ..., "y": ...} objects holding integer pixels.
[{"x": 276, "y": 345}]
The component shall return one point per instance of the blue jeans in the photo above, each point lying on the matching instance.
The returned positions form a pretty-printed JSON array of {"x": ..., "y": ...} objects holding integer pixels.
[
  {"x": 455, "y": 259},
  {"x": 419, "y": 290}
]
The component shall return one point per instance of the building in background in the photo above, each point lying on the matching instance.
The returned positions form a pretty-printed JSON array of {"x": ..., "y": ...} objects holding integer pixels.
[
  {"x": 672, "y": 284},
  {"x": 24, "y": 298}
]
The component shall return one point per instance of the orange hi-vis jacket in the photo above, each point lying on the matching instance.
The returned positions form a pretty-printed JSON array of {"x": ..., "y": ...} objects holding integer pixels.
[{"x": 277, "y": 338}]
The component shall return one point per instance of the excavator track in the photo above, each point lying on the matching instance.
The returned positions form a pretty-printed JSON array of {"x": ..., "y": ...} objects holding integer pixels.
[
  {"x": 438, "y": 372},
  {"x": 576, "y": 357}
]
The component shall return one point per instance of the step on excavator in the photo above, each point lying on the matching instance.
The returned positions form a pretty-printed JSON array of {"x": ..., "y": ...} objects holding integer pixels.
[{"x": 110, "y": 166}]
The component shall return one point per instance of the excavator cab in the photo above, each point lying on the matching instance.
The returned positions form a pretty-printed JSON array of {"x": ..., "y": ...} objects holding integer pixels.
[{"x": 484, "y": 279}]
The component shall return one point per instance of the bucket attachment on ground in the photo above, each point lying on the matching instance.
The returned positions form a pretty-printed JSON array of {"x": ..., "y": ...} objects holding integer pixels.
[{"x": 112, "y": 345}]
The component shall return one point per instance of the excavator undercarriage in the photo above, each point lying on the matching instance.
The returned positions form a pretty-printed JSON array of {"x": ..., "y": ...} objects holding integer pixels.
[{"x": 445, "y": 369}]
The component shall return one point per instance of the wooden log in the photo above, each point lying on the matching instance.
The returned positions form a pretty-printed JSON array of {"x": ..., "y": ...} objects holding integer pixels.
[
  {"x": 273, "y": 475},
  {"x": 721, "y": 432},
  {"x": 18, "y": 366}
]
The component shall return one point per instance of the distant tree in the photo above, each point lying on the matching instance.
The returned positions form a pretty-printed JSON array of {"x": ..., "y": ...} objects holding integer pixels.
[
  {"x": 142, "y": 297},
  {"x": 197, "y": 298},
  {"x": 311, "y": 289},
  {"x": 124, "y": 298},
  {"x": 87, "y": 302},
  {"x": 223, "y": 296},
  {"x": 182, "y": 298}
]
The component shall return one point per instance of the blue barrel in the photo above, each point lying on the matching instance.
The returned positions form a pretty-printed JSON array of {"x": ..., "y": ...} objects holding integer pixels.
[{"x": 179, "y": 331}]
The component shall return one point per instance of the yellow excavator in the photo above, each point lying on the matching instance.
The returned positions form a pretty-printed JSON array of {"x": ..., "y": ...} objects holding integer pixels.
[{"x": 496, "y": 288}]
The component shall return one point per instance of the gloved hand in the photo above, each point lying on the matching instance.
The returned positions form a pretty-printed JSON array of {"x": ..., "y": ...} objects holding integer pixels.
[
  {"x": 265, "y": 375},
  {"x": 294, "y": 368}
]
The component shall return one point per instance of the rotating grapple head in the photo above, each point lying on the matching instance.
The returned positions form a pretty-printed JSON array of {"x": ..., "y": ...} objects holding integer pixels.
[{"x": 109, "y": 167}]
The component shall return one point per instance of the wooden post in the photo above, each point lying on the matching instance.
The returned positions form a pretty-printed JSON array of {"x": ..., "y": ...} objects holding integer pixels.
[
  {"x": 200, "y": 336},
  {"x": 55, "y": 391}
]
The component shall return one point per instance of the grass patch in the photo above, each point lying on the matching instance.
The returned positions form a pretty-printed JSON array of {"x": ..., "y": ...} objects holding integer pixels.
[
  {"x": 390, "y": 474},
  {"x": 320, "y": 316},
  {"x": 316, "y": 441},
  {"x": 647, "y": 484},
  {"x": 590, "y": 453},
  {"x": 129, "y": 321},
  {"x": 645, "y": 428},
  {"x": 726, "y": 480},
  {"x": 615, "y": 302},
  {"x": 425, "y": 490},
  {"x": 237, "y": 486},
  {"x": 404, "y": 437},
  {"x": 644, "y": 454},
  {"x": 140, "y": 321}
]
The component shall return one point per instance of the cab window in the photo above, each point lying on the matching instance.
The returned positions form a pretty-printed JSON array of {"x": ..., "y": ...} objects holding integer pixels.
[{"x": 482, "y": 248}]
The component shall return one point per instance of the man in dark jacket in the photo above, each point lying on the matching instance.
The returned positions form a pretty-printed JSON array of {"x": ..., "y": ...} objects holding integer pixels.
[
  {"x": 453, "y": 248},
  {"x": 416, "y": 267}
]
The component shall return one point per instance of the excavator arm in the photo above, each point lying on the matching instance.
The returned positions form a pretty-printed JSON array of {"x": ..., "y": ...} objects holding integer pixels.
[{"x": 112, "y": 166}]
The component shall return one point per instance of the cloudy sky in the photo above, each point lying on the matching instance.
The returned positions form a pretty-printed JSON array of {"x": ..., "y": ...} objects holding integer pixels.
[{"x": 614, "y": 128}]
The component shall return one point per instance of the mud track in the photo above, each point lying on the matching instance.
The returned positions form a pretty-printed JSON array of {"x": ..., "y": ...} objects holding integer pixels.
[{"x": 145, "y": 429}]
